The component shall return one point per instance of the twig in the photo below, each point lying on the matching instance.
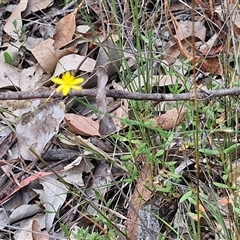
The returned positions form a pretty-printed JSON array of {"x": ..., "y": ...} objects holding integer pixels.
[
  {"x": 201, "y": 95},
  {"x": 47, "y": 17},
  {"x": 84, "y": 59},
  {"x": 1, "y": 31}
]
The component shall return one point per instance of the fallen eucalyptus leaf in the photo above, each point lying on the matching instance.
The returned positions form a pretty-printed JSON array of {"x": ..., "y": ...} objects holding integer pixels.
[
  {"x": 171, "y": 118},
  {"x": 81, "y": 125},
  {"x": 36, "y": 129},
  {"x": 110, "y": 58}
]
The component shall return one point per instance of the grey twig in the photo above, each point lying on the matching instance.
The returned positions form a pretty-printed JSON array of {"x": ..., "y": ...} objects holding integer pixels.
[
  {"x": 201, "y": 95},
  {"x": 48, "y": 17}
]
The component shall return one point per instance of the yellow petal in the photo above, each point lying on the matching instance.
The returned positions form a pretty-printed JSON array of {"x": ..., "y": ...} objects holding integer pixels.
[
  {"x": 67, "y": 77},
  {"x": 65, "y": 90},
  {"x": 59, "y": 88},
  {"x": 67, "y": 82},
  {"x": 58, "y": 81},
  {"x": 77, "y": 81}
]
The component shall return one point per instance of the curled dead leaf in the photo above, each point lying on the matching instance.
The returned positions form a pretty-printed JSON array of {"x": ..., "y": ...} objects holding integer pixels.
[
  {"x": 65, "y": 30},
  {"x": 47, "y": 56},
  {"x": 106, "y": 126},
  {"x": 81, "y": 125},
  {"x": 171, "y": 118},
  {"x": 16, "y": 17},
  {"x": 34, "y": 6}
]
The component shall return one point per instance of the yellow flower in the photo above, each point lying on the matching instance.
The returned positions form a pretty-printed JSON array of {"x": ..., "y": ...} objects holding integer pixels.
[{"x": 67, "y": 82}]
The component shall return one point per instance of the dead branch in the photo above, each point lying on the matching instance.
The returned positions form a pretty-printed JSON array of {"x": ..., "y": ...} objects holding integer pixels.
[{"x": 201, "y": 95}]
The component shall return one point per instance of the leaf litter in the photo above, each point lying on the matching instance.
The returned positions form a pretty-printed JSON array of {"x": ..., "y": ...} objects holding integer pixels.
[{"x": 35, "y": 189}]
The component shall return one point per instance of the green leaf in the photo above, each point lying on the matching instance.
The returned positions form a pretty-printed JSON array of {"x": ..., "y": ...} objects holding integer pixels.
[
  {"x": 175, "y": 176},
  {"x": 193, "y": 215},
  {"x": 135, "y": 141},
  {"x": 146, "y": 40},
  {"x": 236, "y": 210},
  {"x": 126, "y": 157},
  {"x": 225, "y": 176},
  {"x": 221, "y": 185},
  {"x": 166, "y": 189},
  {"x": 160, "y": 153},
  {"x": 169, "y": 164},
  {"x": 231, "y": 148},
  {"x": 209, "y": 152},
  {"x": 192, "y": 200},
  {"x": 141, "y": 148},
  {"x": 64, "y": 229},
  {"x": 98, "y": 195},
  {"x": 170, "y": 139},
  {"x": 186, "y": 196},
  {"x": 7, "y": 58},
  {"x": 14, "y": 23}
]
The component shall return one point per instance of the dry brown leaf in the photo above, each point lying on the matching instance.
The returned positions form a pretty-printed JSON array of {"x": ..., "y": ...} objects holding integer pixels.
[
  {"x": 15, "y": 16},
  {"x": 205, "y": 48},
  {"x": 109, "y": 58},
  {"x": 65, "y": 30},
  {"x": 91, "y": 147},
  {"x": 219, "y": 17},
  {"x": 8, "y": 171},
  {"x": 81, "y": 125},
  {"x": 178, "y": 37},
  {"x": 37, "y": 233},
  {"x": 172, "y": 51},
  {"x": 71, "y": 62},
  {"x": 171, "y": 118},
  {"x": 31, "y": 42},
  {"x": 101, "y": 180},
  {"x": 185, "y": 30},
  {"x": 181, "y": 40},
  {"x": 53, "y": 195},
  {"x": 119, "y": 114},
  {"x": 215, "y": 50},
  {"x": 36, "y": 128},
  {"x": 23, "y": 211},
  {"x": 34, "y": 6},
  {"x": 211, "y": 65},
  {"x": 73, "y": 172},
  {"x": 9, "y": 75},
  {"x": 166, "y": 80},
  {"x": 140, "y": 195},
  {"x": 24, "y": 183},
  {"x": 47, "y": 57},
  {"x": 31, "y": 78}
]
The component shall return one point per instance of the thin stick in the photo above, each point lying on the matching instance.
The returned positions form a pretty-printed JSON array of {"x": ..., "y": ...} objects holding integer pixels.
[{"x": 201, "y": 95}]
